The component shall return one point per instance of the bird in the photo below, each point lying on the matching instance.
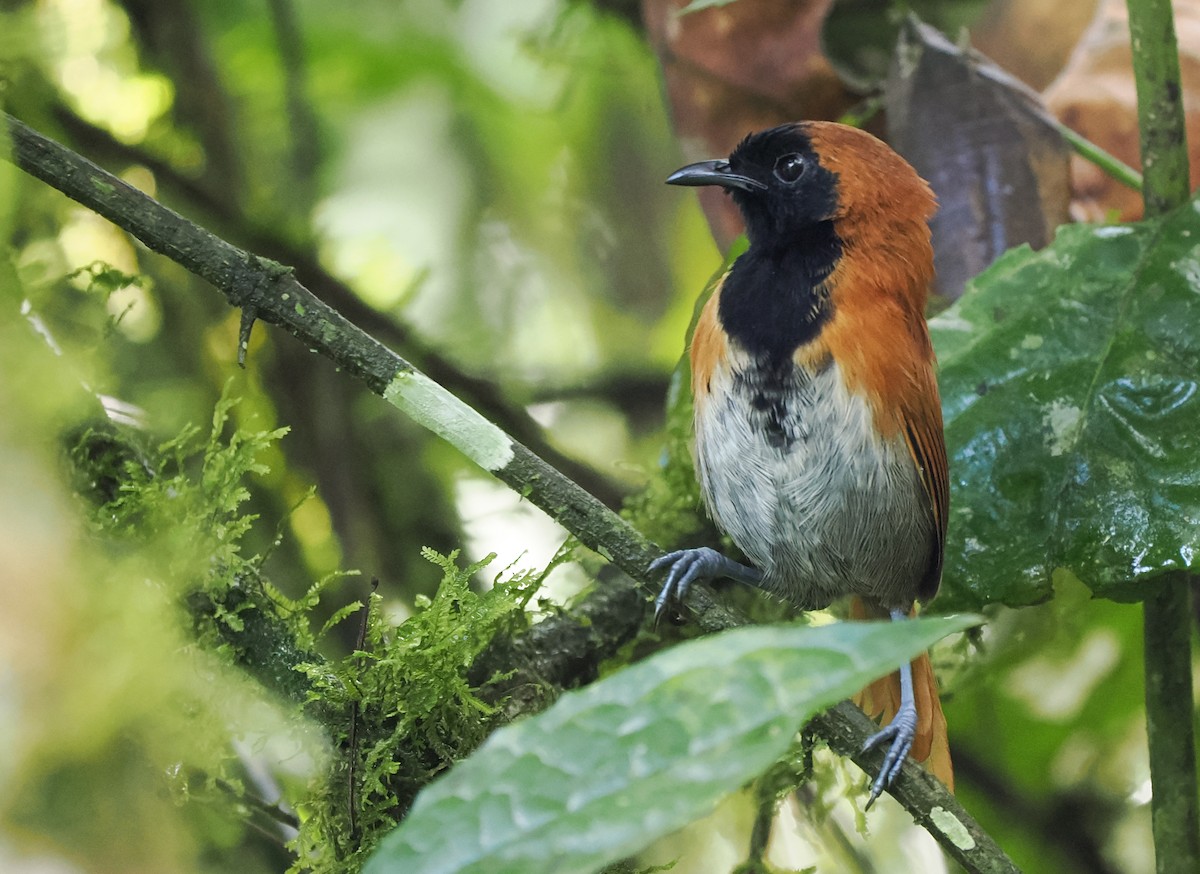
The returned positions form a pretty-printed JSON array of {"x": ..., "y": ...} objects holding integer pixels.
[{"x": 819, "y": 443}]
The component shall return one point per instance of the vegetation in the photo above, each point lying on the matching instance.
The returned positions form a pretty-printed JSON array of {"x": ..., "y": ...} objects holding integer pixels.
[{"x": 263, "y": 643}]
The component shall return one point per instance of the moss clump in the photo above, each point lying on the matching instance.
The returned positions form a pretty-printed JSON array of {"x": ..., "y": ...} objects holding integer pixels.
[{"x": 407, "y": 710}]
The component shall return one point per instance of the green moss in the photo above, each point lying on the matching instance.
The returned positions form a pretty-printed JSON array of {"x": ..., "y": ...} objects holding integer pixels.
[
  {"x": 408, "y": 710},
  {"x": 397, "y": 711}
]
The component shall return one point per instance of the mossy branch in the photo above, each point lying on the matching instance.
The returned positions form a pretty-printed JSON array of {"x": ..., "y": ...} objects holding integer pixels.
[
  {"x": 483, "y": 395},
  {"x": 599, "y": 625},
  {"x": 274, "y": 295}
]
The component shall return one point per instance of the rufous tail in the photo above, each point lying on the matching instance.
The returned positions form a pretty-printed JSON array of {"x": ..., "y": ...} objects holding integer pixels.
[{"x": 881, "y": 700}]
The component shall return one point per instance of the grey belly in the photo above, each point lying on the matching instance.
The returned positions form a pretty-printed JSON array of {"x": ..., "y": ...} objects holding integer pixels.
[{"x": 816, "y": 500}]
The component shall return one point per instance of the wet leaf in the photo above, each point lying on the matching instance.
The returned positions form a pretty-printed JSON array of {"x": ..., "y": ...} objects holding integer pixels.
[{"x": 1069, "y": 384}]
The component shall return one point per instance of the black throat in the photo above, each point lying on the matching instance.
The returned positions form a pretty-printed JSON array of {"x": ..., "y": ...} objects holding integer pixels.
[{"x": 775, "y": 298}]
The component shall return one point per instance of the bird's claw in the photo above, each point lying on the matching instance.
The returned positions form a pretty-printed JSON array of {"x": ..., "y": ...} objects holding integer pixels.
[
  {"x": 686, "y": 567},
  {"x": 900, "y": 733}
]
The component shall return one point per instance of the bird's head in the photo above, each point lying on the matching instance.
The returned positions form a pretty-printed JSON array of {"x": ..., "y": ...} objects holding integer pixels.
[{"x": 790, "y": 178}]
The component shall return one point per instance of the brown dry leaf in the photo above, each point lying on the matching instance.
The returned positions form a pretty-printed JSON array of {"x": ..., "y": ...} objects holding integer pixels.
[
  {"x": 739, "y": 68},
  {"x": 1094, "y": 95},
  {"x": 987, "y": 147}
]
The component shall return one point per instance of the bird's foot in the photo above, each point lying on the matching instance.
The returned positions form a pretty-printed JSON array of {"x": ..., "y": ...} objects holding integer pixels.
[
  {"x": 686, "y": 566},
  {"x": 899, "y": 733}
]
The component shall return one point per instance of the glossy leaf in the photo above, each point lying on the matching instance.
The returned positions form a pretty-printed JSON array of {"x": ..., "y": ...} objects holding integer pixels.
[
  {"x": 612, "y": 767},
  {"x": 1069, "y": 384}
]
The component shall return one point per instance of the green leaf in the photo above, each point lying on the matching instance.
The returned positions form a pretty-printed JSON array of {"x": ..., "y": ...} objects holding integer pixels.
[
  {"x": 610, "y": 768},
  {"x": 1069, "y": 385}
]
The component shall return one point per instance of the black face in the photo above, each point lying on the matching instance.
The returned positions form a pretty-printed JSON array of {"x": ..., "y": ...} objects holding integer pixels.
[
  {"x": 774, "y": 298},
  {"x": 777, "y": 182}
]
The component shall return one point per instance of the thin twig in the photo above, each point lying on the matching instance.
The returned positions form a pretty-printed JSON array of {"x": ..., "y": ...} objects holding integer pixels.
[
  {"x": 281, "y": 816},
  {"x": 351, "y": 775},
  {"x": 1109, "y": 163}
]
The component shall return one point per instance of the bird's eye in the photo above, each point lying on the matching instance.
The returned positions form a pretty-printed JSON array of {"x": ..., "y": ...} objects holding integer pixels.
[{"x": 789, "y": 168}]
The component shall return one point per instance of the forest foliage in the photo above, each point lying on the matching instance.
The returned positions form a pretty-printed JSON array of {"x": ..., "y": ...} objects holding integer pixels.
[{"x": 248, "y": 614}]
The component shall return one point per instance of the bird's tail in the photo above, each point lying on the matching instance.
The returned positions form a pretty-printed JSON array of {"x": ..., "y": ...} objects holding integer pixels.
[{"x": 881, "y": 700}]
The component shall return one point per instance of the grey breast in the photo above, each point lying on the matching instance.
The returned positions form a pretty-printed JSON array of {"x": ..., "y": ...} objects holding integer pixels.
[{"x": 794, "y": 471}]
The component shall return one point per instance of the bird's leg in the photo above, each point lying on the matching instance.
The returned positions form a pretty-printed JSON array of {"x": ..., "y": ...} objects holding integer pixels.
[
  {"x": 900, "y": 731},
  {"x": 689, "y": 565}
]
